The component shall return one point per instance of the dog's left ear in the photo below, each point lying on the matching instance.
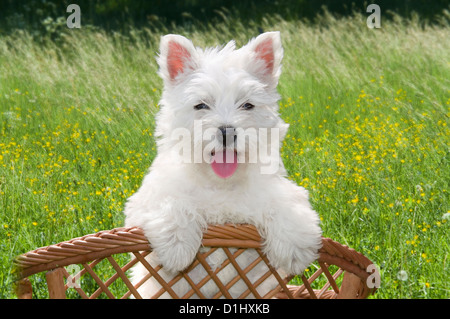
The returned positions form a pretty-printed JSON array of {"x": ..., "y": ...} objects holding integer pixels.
[
  {"x": 177, "y": 57},
  {"x": 266, "y": 53}
]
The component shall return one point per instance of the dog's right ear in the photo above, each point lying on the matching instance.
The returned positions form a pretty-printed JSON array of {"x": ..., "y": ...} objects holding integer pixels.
[
  {"x": 177, "y": 57},
  {"x": 266, "y": 53}
]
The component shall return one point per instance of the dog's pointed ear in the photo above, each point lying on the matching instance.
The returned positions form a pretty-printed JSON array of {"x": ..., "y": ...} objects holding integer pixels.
[
  {"x": 177, "y": 56},
  {"x": 266, "y": 53}
]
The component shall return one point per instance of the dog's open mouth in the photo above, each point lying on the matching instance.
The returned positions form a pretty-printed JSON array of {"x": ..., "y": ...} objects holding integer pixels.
[{"x": 224, "y": 163}]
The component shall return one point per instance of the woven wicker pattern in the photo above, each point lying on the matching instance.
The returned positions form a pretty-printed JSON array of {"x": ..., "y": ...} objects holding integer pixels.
[{"x": 88, "y": 251}]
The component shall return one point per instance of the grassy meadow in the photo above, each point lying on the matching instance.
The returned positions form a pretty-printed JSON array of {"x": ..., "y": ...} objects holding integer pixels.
[{"x": 369, "y": 137}]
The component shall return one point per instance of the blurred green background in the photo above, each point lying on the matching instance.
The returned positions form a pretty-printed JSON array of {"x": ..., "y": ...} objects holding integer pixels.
[{"x": 121, "y": 15}]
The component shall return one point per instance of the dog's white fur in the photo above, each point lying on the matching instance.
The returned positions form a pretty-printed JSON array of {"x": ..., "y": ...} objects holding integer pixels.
[{"x": 177, "y": 200}]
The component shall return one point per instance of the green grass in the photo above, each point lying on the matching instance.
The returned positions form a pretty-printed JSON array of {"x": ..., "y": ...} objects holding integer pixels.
[{"x": 369, "y": 137}]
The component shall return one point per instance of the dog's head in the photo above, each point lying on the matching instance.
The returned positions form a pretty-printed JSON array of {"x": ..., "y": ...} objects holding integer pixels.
[{"x": 220, "y": 105}]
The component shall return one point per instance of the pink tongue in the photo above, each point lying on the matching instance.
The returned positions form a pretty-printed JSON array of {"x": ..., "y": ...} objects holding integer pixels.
[{"x": 224, "y": 164}]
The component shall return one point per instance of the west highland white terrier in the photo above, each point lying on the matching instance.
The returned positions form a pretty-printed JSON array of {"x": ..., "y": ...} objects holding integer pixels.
[{"x": 218, "y": 140}]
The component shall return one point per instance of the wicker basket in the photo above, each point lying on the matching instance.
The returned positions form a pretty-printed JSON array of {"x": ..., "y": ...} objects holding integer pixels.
[{"x": 344, "y": 270}]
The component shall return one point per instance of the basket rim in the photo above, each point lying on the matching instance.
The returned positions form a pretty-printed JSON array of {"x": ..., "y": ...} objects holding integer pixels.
[{"x": 132, "y": 239}]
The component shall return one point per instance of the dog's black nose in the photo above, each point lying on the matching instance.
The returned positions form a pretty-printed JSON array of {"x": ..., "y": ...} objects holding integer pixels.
[{"x": 228, "y": 135}]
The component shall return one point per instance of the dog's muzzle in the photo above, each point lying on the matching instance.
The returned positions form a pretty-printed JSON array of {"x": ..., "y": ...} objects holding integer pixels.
[{"x": 227, "y": 134}]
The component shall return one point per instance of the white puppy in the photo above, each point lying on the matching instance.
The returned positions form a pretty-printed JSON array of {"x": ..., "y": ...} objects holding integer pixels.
[{"x": 218, "y": 161}]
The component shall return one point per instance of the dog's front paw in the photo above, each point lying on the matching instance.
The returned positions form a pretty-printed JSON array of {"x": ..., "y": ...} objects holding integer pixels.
[
  {"x": 291, "y": 258},
  {"x": 176, "y": 257}
]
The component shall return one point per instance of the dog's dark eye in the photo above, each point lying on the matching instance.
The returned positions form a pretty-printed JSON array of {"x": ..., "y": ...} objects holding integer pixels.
[
  {"x": 201, "y": 106},
  {"x": 247, "y": 106}
]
